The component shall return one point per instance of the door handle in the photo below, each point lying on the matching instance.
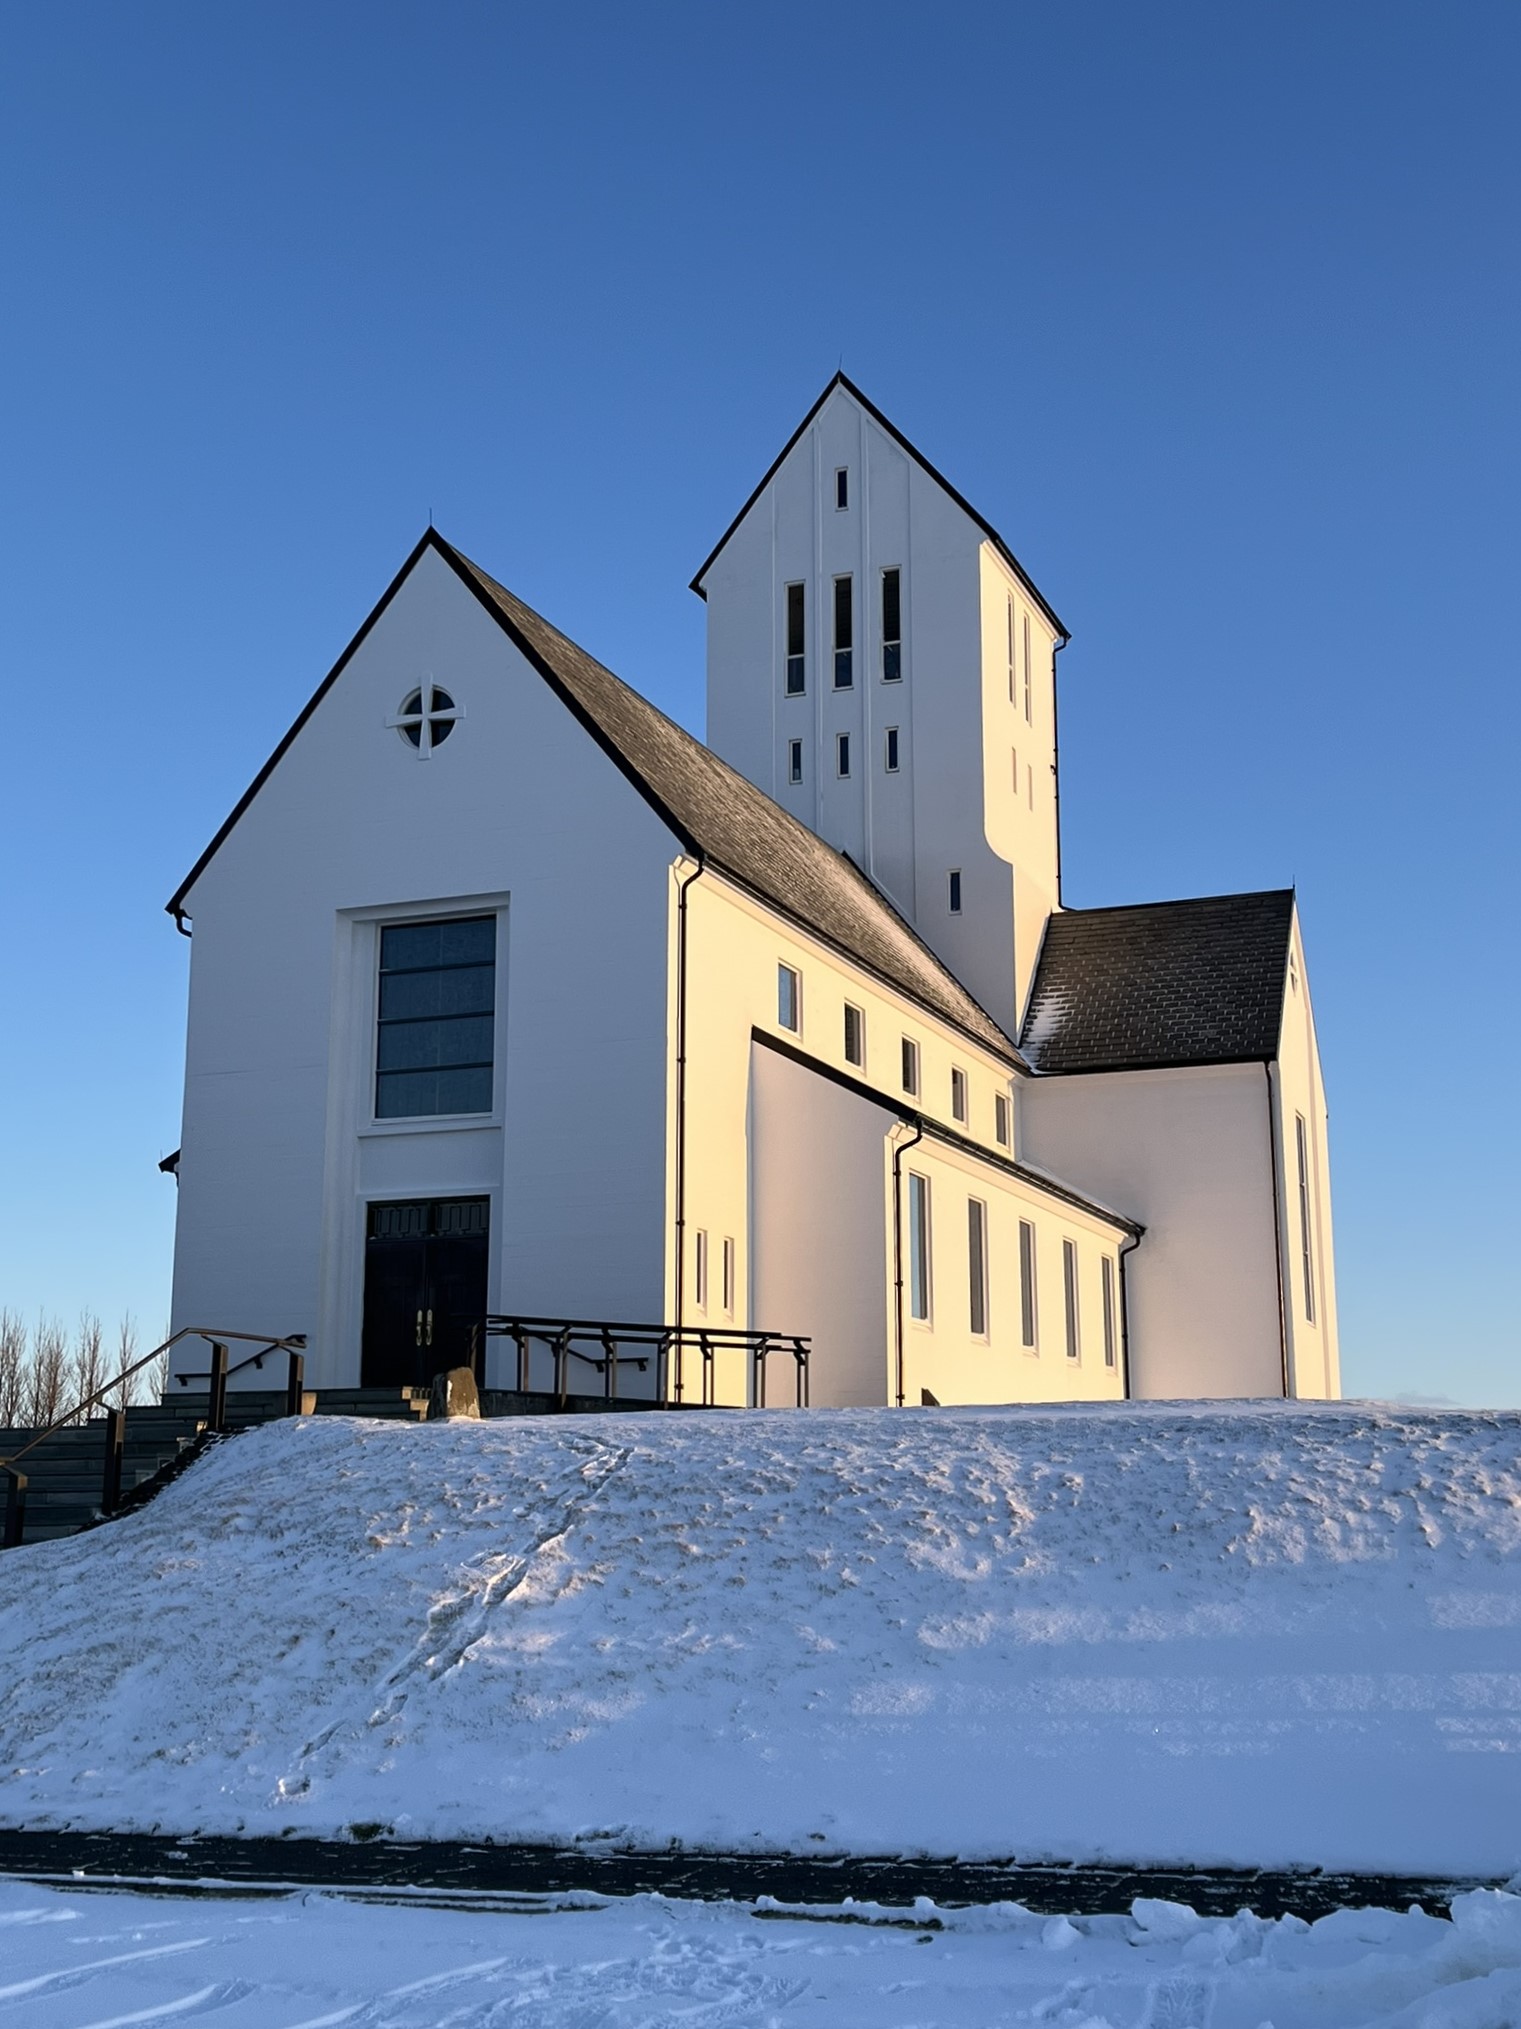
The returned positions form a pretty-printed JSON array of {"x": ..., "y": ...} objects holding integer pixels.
[
  {"x": 429, "y": 1339},
  {"x": 419, "y": 1327}
]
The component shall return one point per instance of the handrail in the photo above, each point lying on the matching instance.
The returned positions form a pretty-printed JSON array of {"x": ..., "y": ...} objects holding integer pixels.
[
  {"x": 556, "y": 1333},
  {"x": 294, "y": 1342}
]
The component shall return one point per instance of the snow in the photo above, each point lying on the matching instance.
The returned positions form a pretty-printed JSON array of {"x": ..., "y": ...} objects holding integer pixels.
[
  {"x": 93, "y": 1961},
  {"x": 1232, "y": 1636}
]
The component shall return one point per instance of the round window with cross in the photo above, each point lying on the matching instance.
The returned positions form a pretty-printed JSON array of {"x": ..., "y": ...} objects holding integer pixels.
[{"x": 427, "y": 717}]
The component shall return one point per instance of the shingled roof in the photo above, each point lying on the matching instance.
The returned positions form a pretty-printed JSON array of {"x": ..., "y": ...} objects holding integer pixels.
[
  {"x": 712, "y": 810},
  {"x": 1195, "y": 982}
]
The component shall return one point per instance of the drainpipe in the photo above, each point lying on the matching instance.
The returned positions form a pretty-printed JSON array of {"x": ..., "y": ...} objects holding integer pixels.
[
  {"x": 899, "y": 1151},
  {"x": 681, "y": 1105},
  {"x": 179, "y": 922},
  {"x": 1126, "y": 1248}
]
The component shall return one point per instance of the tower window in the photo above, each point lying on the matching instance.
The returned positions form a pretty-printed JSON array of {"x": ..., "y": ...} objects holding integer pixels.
[
  {"x": 958, "y": 1095},
  {"x": 918, "y": 1246},
  {"x": 1029, "y": 719},
  {"x": 1110, "y": 1334},
  {"x": 910, "y": 1066},
  {"x": 842, "y": 753},
  {"x": 1027, "y": 1312},
  {"x": 977, "y": 1265},
  {"x": 789, "y": 999},
  {"x": 841, "y": 488},
  {"x": 794, "y": 761},
  {"x": 892, "y": 626},
  {"x": 1001, "y": 1118},
  {"x": 844, "y": 673},
  {"x": 955, "y": 891},
  {"x": 797, "y": 663},
  {"x": 892, "y": 750},
  {"x": 855, "y": 1035},
  {"x": 1069, "y": 1293}
]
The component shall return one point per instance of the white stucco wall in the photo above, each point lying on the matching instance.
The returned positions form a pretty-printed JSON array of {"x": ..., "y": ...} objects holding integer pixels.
[
  {"x": 520, "y": 812},
  {"x": 1190, "y": 1154}
]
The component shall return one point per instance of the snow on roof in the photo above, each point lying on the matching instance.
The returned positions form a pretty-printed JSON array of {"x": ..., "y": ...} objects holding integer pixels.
[{"x": 1232, "y": 1635}]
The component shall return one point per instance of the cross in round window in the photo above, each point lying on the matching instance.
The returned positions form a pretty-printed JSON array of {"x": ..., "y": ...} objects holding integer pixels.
[{"x": 427, "y": 718}]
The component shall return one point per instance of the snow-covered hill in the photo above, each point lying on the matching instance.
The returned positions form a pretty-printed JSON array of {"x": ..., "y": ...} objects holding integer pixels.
[{"x": 1233, "y": 1636}]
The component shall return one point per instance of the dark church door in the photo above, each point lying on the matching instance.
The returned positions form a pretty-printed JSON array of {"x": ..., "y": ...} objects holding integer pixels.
[{"x": 424, "y": 1290}]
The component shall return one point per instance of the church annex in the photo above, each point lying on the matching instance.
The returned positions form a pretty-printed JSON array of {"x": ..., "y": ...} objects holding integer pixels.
[{"x": 510, "y": 997}]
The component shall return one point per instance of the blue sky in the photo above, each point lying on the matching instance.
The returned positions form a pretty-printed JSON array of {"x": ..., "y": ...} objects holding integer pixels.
[{"x": 1211, "y": 310}]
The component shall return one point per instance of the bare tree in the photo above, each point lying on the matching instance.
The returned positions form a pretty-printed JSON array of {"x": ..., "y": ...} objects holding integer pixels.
[
  {"x": 13, "y": 1368},
  {"x": 88, "y": 1371},
  {"x": 47, "y": 1376},
  {"x": 126, "y": 1352}
]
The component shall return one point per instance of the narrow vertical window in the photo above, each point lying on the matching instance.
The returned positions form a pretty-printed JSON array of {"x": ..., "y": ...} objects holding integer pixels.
[
  {"x": 958, "y": 1095},
  {"x": 841, "y": 489},
  {"x": 728, "y": 1272},
  {"x": 910, "y": 1066},
  {"x": 842, "y": 753},
  {"x": 1306, "y": 1257},
  {"x": 1027, "y": 1311},
  {"x": 1014, "y": 756},
  {"x": 797, "y": 661},
  {"x": 1011, "y": 651},
  {"x": 1029, "y": 785},
  {"x": 844, "y": 635},
  {"x": 892, "y": 626},
  {"x": 700, "y": 1266},
  {"x": 918, "y": 1246},
  {"x": 1069, "y": 1293},
  {"x": 1111, "y": 1333},
  {"x": 855, "y": 1035},
  {"x": 955, "y": 891},
  {"x": 977, "y": 1265},
  {"x": 1028, "y": 718},
  {"x": 794, "y": 761},
  {"x": 1001, "y": 1118},
  {"x": 789, "y": 998},
  {"x": 892, "y": 750}
]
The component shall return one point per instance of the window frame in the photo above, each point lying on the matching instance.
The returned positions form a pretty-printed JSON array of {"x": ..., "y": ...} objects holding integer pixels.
[
  {"x": 794, "y": 764},
  {"x": 729, "y": 1276},
  {"x": 921, "y": 1295},
  {"x": 859, "y": 1059},
  {"x": 1029, "y": 1287},
  {"x": 892, "y": 749},
  {"x": 795, "y": 660},
  {"x": 977, "y": 1268},
  {"x": 380, "y": 1022},
  {"x": 842, "y": 757},
  {"x": 1306, "y": 1223},
  {"x": 892, "y": 638},
  {"x": 842, "y": 489},
  {"x": 844, "y": 651},
  {"x": 700, "y": 1267},
  {"x": 960, "y": 1093},
  {"x": 785, "y": 972},
  {"x": 1072, "y": 1299},
  {"x": 910, "y": 1066},
  {"x": 1002, "y": 1120},
  {"x": 953, "y": 897},
  {"x": 1108, "y": 1277},
  {"x": 1029, "y": 716}
]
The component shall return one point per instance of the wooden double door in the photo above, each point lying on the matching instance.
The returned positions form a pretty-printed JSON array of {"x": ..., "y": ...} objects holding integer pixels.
[{"x": 424, "y": 1290}]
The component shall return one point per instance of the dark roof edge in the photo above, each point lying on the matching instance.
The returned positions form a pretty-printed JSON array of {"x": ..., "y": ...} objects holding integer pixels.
[
  {"x": 1165, "y": 1064},
  {"x": 1173, "y": 902},
  {"x": 174, "y": 905},
  {"x": 843, "y": 380},
  {"x": 1037, "y": 1179}
]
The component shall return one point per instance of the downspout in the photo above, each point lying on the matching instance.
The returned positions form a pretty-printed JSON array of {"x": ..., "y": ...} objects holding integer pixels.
[
  {"x": 1126, "y": 1248},
  {"x": 179, "y": 921},
  {"x": 1056, "y": 764},
  {"x": 1283, "y": 1322},
  {"x": 899, "y": 1151},
  {"x": 681, "y": 1106}
]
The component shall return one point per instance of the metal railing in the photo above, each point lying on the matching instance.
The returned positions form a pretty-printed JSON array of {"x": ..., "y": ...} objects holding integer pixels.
[
  {"x": 294, "y": 1343},
  {"x": 643, "y": 1345}
]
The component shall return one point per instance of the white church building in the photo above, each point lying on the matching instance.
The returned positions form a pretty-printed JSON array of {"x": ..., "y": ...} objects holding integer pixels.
[{"x": 510, "y": 998}]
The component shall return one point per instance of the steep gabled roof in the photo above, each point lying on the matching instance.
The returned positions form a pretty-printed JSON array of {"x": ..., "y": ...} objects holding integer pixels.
[
  {"x": 842, "y": 380},
  {"x": 1194, "y": 982},
  {"x": 710, "y": 809}
]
